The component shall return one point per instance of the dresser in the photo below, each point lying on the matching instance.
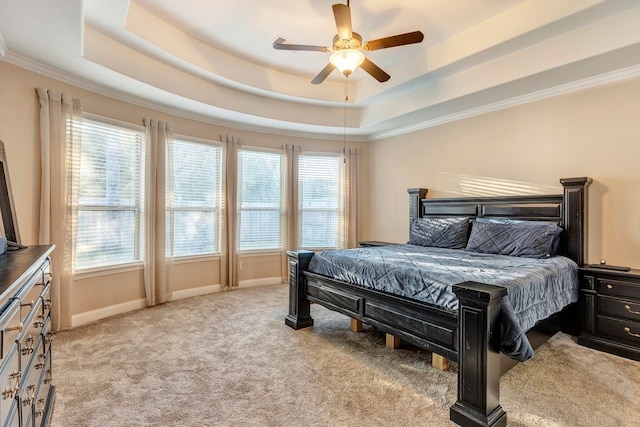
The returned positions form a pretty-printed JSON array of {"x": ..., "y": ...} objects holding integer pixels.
[
  {"x": 611, "y": 311},
  {"x": 26, "y": 390}
]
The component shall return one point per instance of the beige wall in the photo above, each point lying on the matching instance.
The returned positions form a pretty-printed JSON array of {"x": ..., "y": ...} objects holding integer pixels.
[
  {"x": 19, "y": 130},
  {"x": 528, "y": 148},
  {"x": 593, "y": 133}
]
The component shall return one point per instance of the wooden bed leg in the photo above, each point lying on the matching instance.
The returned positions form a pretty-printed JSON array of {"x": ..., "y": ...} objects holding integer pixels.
[
  {"x": 356, "y": 325},
  {"x": 478, "y": 401},
  {"x": 439, "y": 362},
  {"x": 393, "y": 341},
  {"x": 299, "y": 306}
]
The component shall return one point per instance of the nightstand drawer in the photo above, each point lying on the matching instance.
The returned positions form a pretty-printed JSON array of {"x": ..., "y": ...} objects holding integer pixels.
[
  {"x": 619, "y": 308},
  {"x": 623, "y": 330},
  {"x": 587, "y": 282},
  {"x": 617, "y": 288}
]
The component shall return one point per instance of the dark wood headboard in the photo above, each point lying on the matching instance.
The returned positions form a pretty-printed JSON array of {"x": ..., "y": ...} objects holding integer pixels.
[{"x": 569, "y": 210}]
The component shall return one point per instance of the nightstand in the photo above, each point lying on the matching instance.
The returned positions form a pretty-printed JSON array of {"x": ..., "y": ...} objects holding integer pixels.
[
  {"x": 371, "y": 243},
  {"x": 611, "y": 311}
]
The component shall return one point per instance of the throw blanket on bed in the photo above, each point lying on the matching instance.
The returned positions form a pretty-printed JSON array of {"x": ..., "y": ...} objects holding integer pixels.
[{"x": 536, "y": 288}]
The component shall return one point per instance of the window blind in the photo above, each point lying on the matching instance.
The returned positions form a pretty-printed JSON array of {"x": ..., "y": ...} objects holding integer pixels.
[
  {"x": 319, "y": 200},
  {"x": 259, "y": 200},
  {"x": 196, "y": 198},
  {"x": 110, "y": 195}
]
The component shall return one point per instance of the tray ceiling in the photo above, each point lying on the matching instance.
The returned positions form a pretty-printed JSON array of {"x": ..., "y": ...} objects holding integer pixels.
[{"x": 214, "y": 60}]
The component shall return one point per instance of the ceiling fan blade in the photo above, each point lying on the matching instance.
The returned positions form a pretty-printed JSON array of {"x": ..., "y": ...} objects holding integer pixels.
[
  {"x": 342, "y": 15},
  {"x": 278, "y": 44},
  {"x": 375, "y": 71},
  {"x": 323, "y": 74},
  {"x": 392, "y": 41}
]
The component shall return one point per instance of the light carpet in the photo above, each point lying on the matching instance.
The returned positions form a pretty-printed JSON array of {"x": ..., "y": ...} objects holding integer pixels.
[{"x": 227, "y": 359}]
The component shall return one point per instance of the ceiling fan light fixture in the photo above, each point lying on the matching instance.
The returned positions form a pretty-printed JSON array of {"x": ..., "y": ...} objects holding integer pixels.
[{"x": 347, "y": 60}]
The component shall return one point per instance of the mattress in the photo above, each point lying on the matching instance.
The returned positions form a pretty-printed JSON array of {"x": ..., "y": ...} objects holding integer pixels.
[{"x": 536, "y": 288}]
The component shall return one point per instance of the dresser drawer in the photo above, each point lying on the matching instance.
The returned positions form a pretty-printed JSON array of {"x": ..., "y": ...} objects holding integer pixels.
[
  {"x": 42, "y": 393},
  {"x": 10, "y": 376},
  {"x": 618, "y": 329},
  {"x": 13, "y": 417},
  {"x": 46, "y": 300},
  {"x": 619, "y": 308},
  {"x": 30, "y": 293},
  {"x": 10, "y": 327},
  {"x": 27, "y": 393},
  {"x": 619, "y": 288},
  {"x": 30, "y": 335},
  {"x": 47, "y": 334}
]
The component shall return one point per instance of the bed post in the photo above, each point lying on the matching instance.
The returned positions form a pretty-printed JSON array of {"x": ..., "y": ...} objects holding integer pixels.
[
  {"x": 478, "y": 401},
  {"x": 574, "y": 217},
  {"x": 415, "y": 195},
  {"x": 299, "y": 307}
]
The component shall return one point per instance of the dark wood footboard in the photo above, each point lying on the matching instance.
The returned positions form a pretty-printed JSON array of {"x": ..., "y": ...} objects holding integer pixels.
[{"x": 465, "y": 337}]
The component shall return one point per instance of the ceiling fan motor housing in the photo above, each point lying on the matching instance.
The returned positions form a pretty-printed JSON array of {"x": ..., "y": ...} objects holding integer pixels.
[{"x": 355, "y": 42}]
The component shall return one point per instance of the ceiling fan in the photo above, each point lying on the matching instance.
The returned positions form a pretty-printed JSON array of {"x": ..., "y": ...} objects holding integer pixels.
[{"x": 348, "y": 47}]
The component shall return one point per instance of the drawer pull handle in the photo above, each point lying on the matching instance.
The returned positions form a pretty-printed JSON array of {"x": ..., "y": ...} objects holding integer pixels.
[
  {"x": 631, "y": 311},
  {"x": 18, "y": 328},
  {"x": 609, "y": 287},
  {"x": 10, "y": 393},
  {"x": 627, "y": 330}
]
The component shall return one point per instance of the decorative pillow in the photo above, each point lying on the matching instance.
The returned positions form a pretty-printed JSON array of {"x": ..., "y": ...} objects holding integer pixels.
[
  {"x": 448, "y": 233},
  {"x": 529, "y": 239}
]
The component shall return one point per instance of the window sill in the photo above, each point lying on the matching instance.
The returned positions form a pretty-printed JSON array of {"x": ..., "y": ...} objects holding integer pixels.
[
  {"x": 107, "y": 270},
  {"x": 263, "y": 252},
  {"x": 196, "y": 258}
]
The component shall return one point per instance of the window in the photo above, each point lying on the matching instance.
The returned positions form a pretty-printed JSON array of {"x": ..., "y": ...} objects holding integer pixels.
[
  {"x": 110, "y": 195},
  {"x": 259, "y": 199},
  {"x": 197, "y": 171},
  {"x": 318, "y": 192}
]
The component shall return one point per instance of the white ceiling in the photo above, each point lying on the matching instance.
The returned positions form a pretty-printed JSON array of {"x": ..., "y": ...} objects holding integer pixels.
[{"x": 214, "y": 60}]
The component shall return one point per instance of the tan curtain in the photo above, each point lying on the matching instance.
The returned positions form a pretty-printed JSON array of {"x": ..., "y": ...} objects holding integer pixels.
[
  {"x": 158, "y": 265},
  {"x": 228, "y": 264},
  {"x": 350, "y": 228},
  {"x": 290, "y": 211},
  {"x": 60, "y": 127}
]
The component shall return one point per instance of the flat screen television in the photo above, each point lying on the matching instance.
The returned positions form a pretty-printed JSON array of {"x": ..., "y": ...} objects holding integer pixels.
[{"x": 9, "y": 220}]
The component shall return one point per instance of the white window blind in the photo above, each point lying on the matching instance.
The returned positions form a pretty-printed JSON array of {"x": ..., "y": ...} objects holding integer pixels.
[
  {"x": 110, "y": 195},
  {"x": 197, "y": 172},
  {"x": 259, "y": 199},
  {"x": 319, "y": 200}
]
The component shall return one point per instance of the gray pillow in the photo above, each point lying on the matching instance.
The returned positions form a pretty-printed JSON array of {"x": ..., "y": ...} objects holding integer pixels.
[
  {"x": 448, "y": 233},
  {"x": 529, "y": 239}
]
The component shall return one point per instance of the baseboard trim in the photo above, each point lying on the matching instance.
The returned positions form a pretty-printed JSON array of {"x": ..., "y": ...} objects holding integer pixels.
[
  {"x": 101, "y": 313},
  {"x": 260, "y": 282},
  {"x": 194, "y": 292}
]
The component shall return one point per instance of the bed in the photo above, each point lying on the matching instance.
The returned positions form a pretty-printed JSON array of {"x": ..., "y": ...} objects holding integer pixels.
[{"x": 465, "y": 321}]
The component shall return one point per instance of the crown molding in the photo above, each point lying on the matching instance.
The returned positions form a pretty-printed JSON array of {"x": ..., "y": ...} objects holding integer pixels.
[
  {"x": 599, "y": 80},
  {"x": 82, "y": 83}
]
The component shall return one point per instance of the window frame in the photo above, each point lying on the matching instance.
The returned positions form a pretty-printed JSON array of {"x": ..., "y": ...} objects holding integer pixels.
[
  {"x": 239, "y": 209},
  {"x": 138, "y": 210},
  {"x": 217, "y": 210},
  {"x": 337, "y": 210}
]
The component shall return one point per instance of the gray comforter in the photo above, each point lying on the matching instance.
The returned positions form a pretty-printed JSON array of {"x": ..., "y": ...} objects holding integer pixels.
[{"x": 536, "y": 288}]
